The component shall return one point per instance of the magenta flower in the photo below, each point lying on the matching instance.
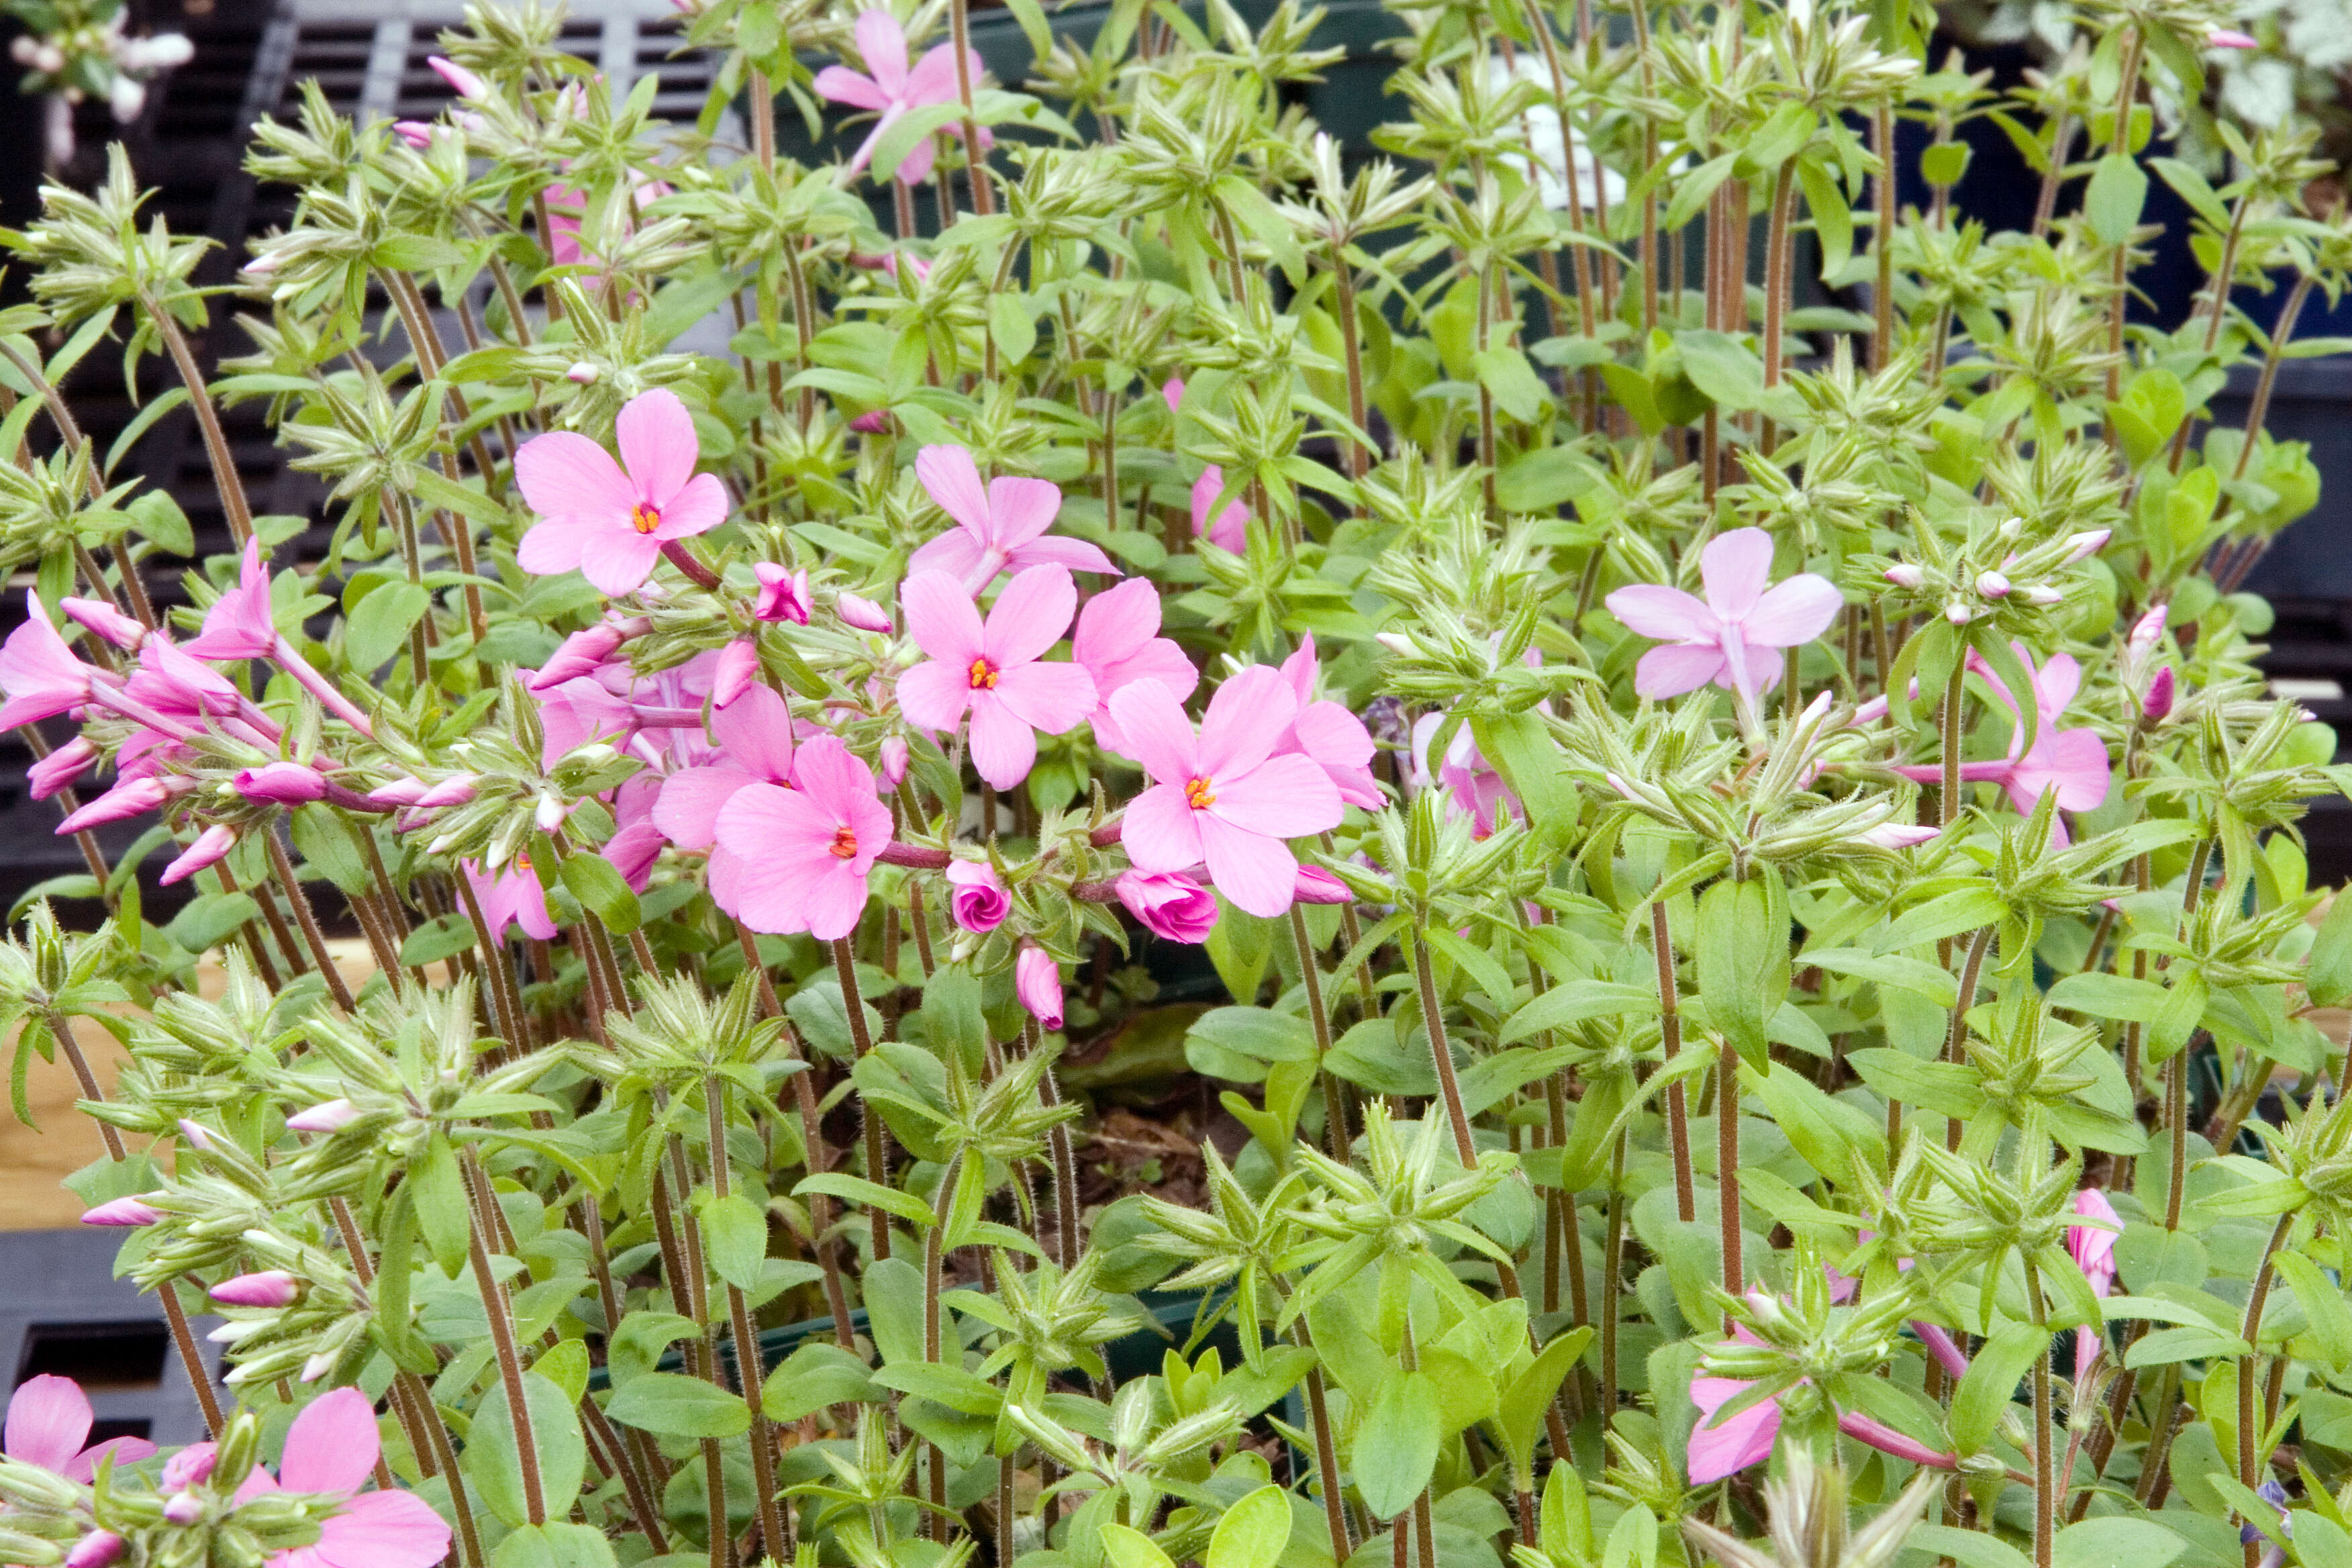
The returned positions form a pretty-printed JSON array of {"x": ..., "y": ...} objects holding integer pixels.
[
  {"x": 999, "y": 529},
  {"x": 130, "y": 1211},
  {"x": 281, "y": 783},
  {"x": 49, "y": 1420},
  {"x": 60, "y": 768},
  {"x": 239, "y": 624},
  {"x": 1224, "y": 797},
  {"x": 783, "y": 596},
  {"x": 608, "y": 522},
  {"x": 1471, "y": 783},
  {"x": 1168, "y": 904},
  {"x": 994, "y": 671},
  {"x": 511, "y": 896},
  {"x": 106, "y": 621},
  {"x": 1724, "y": 1446},
  {"x": 1228, "y": 529},
  {"x": 807, "y": 850},
  {"x": 2072, "y": 762},
  {"x": 1329, "y": 735},
  {"x": 1734, "y": 636},
  {"x": 755, "y": 746},
  {"x": 2093, "y": 1247},
  {"x": 977, "y": 899},
  {"x": 1037, "y": 981},
  {"x": 38, "y": 673},
  {"x": 268, "y": 1288},
  {"x": 212, "y": 844},
  {"x": 129, "y": 798},
  {"x": 1118, "y": 640},
  {"x": 331, "y": 1448},
  {"x": 893, "y": 89}
]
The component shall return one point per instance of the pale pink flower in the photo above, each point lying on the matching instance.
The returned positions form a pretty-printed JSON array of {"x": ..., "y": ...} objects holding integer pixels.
[
  {"x": 1168, "y": 904},
  {"x": 281, "y": 783},
  {"x": 1037, "y": 981},
  {"x": 1228, "y": 529},
  {"x": 2072, "y": 762},
  {"x": 212, "y": 844},
  {"x": 1329, "y": 735},
  {"x": 331, "y": 1448},
  {"x": 861, "y": 612},
  {"x": 2231, "y": 39},
  {"x": 755, "y": 746},
  {"x": 636, "y": 842},
  {"x": 994, "y": 671},
  {"x": 783, "y": 594},
  {"x": 38, "y": 673},
  {"x": 892, "y": 89},
  {"x": 511, "y": 896},
  {"x": 462, "y": 82},
  {"x": 582, "y": 653},
  {"x": 268, "y": 1288},
  {"x": 1734, "y": 636},
  {"x": 1473, "y": 783},
  {"x": 1317, "y": 886},
  {"x": 239, "y": 624},
  {"x": 739, "y": 666},
  {"x": 999, "y": 529},
  {"x": 1897, "y": 836},
  {"x": 977, "y": 898},
  {"x": 1223, "y": 796},
  {"x": 49, "y": 1420},
  {"x": 608, "y": 522},
  {"x": 130, "y": 1211},
  {"x": 326, "y": 1116},
  {"x": 106, "y": 621},
  {"x": 2093, "y": 1245},
  {"x": 807, "y": 850},
  {"x": 1118, "y": 640},
  {"x": 893, "y": 760}
]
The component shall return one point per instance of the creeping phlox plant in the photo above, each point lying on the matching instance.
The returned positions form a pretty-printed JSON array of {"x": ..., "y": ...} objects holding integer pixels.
[{"x": 1762, "y": 967}]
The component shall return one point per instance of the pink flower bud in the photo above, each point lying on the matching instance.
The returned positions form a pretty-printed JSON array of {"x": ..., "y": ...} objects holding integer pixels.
[
  {"x": 2231, "y": 39},
  {"x": 262, "y": 266},
  {"x": 281, "y": 783},
  {"x": 1992, "y": 585},
  {"x": 318, "y": 1366},
  {"x": 61, "y": 767},
  {"x": 1958, "y": 615},
  {"x": 2147, "y": 631},
  {"x": 190, "y": 1467},
  {"x": 211, "y": 845},
  {"x": 106, "y": 621},
  {"x": 1398, "y": 643},
  {"x": 582, "y": 374},
  {"x": 2156, "y": 706},
  {"x": 582, "y": 654},
  {"x": 184, "y": 1509},
  {"x": 1173, "y": 390},
  {"x": 270, "y": 1287},
  {"x": 462, "y": 82},
  {"x": 133, "y": 797},
  {"x": 1897, "y": 836},
  {"x": 1317, "y": 886},
  {"x": 399, "y": 791},
  {"x": 1037, "y": 981},
  {"x": 1168, "y": 904},
  {"x": 1903, "y": 574},
  {"x": 417, "y": 134},
  {"x": 130, "y": 1211},
  {"x": 739, "y": 666},
  {"x": 196, "y": 1134},
  {"x": 1871, "y": 711},
  {"x": 98, "y": 1549},
  {"x": 326, "y": 1116},
  {"x": 873, "y": 422},
  {"x": 455, "y": 790},
  {"x": 2041, "y": 593},
  {"x": 978, "y": 899},
  {"x": 861, "y": 612},
  {"x": 783, "y": 594},
  {"x": 549, "y": 813},
  {"x": 2083, "y": 545},
  {"x": 894, "y": 760}
]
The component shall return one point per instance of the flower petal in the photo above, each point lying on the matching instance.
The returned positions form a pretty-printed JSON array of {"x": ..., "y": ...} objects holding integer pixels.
[
  {"x": 1072, "y": 554},
  {"x": 756, "y": 732},
  {"x": 1248, "y": 714},
  {"x": 691, "y": 798},
  {"x": 1004, "y": 747},
  {"x": 943, "y": 620},
  {"x": 1720, "y": 1450},
  {"x": 656, "y": 435},
  {"x": 1252, "y": 871},
  {"x": 49, "y": 1421},
  {"x": 1736, "y": 566},
  {"x": 1282, "y": 798},
  {"x": 933, "y": 696},
  {"x": 1116, "y": 624},
  {"x": 1029, "y": 616},
  {"x": 882, "y": 45},
  {"x": 1672, "y": 669},
  {"x": 952, "y": 481},
  {"x": 1020, "y": 510},
  {"x": 834, "y": 901},
  {"x": 332, "y": 1445},
  {"x": 1794, "y": 612},
  {"x": 564, "y": 474},
  {"x": 551, "y": 545},
  {"x": 383, "y": 1529},
  {"x": 699, "y": 508},
  {"x": 839, "y": 84},
  {"x": 1650, "y": 610},
  {"x": 958, "y": 553},
  {"x": 1053, "y": 698},
  {"x": 1158, "y": 734},
  {"x": 1161, "y": 831},
  {"x": 618, "y": 560}
]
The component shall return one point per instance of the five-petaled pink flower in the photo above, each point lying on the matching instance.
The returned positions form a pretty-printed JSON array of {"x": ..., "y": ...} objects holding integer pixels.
[
  {"x": 893, "y": 89},
  {"x": 49, "y": 1420},
  {"x": 2072, "y": 762},
  {"x": 1118, "y": 640},
  {"x": 1228, "y": 529},
  {"x": 511, "y": 896},
  {"x": 1329, "y": 735},
  {"x": 608, "y": 522},
  {"x": 1224, "y": 797},
  {"x": 1734, "y": 636},
  {"x": 1726, "y": 1445},
  {"x": 807, "y": 850},
  {"x": 39, "y": 675},
  {"x": 994, "y": 671},
  {"x": 755, "y": 746},
  {"x": 1000, "y": 528},
  {"x": 331, "y": 1449}
]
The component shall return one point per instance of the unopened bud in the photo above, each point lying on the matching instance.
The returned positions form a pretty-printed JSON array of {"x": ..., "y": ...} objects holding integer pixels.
[
  {"x": 1992, "y": 585},
  {"x": 549, "y": 813},
  {"x": 2156, "y": 706},
  {"x": 1904, "y": 574},
  {"x": 861, "y": 612},
  {"x": 1959, "y": 615},
  {"x": 184, "y": 1509},
  {"x": 2083, "y": 545},
  {"x": 582, "y": 374}
]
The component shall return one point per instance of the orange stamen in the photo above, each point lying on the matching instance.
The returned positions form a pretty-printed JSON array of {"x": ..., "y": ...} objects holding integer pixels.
[
  {"x": 983, "y": 676},
  {"x": 844, "y": 844},
  {"x": 643, "y": 518},
  {"x": 1199, "y": 794}
]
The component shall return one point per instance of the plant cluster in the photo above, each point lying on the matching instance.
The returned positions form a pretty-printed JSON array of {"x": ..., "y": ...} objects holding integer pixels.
[
  {"x": 74, "y": 49},
  {"x": 1750, "y": 871}
]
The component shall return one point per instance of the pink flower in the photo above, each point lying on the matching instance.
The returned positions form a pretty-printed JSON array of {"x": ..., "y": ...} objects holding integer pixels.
[
  {"x": 739, "y": 666},
  {"x": 2093, "y": 1246},
  {"x": 212, "y": 844},
  {"x": 331, "y": 1448},
  {"x": 417, "y": 134},
  {"x": 38, "y": 673},
  {"x": 462, "y": 82},
  {"x": 893, "y": 760},
  {"x": 2072, "y": 762},
  {"x": 1224, "y": 797},
  {"x": 783, "y": 596},
  {"x": 566, "y": 206},
  {"x": 994, "y": 671},
  {"x": 1230, "y": 529},
  {"x": 755, "y": 746},
  {"x": 60, "y": 768},
  {"x": 861, "y": 612},
  {"x": 281, "y": 783},
  {"x": 168, "y": 681},
  {"x": 98, "y": 1549},
  {"x": 609, "y": 523},
  {"x": 1037, "y": 981},
  {"x": 1474, "y": 783},
  {"x": 1168, "y": 904},
  {"x": 1000, "y": 528},
  {"x": 239, "y": 624},
  {"x": 326, "y": 1116},
  {"x": 584, "y": 652},
  {"x": 1329, "y": 735},
  {"x": 130, "y": 1211},
  {"x": 2156, "y": 703},
  {"x": 979, "y": 901},
  {"x": 49, "y": 1419},
  {"x": 2231, "y": 39},
  {"x": 1720, "y": 1449},
  {"x": 893, "y": 89},
  {"x": 636, "y": 842},
  {"x": 807, "y": 850},
  {"x": 1118, "y": 642},
  {"x": 270, "y": 1287},
  {"x": 106, "y": 621},
  {"x": 1897, "y": 836},
  {"x": 1733, "y": 637},
  {"x": 132, "y": 797},
  {"x": 1317, "y": 886},
  {"x": 511, "y": 896}
]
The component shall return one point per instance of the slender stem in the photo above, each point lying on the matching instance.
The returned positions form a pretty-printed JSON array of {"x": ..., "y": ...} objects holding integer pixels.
[
  {"x": 2250, "y": 1328},
  {"x": 1613, "y": 1278},
  {"x": 2044, "y": 1457},
  {"x": 1956, "y": 695},
  {"x": 1882, "y": 299},
  {"x": 1670, "y": 1033},
  {"x": 499, "y": 1310},
  {"x": 1448, "y": 1085},
  {"x": 308, "y": 921},
  {"x": 1955, "y": 1038},
  {"x": 748, "y": 1368},
  {"x": 983, "y": 200},
  {"x": 224, "y": 463},
  {"x": 877, "y": 1142},
  {"x": 1726, "y": 1165}
]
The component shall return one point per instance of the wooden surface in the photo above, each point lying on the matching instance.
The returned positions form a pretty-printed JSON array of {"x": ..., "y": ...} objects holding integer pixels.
[{"x": 34, "y": 1164}]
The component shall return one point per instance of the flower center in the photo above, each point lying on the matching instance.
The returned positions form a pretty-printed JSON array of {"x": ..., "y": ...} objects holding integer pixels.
[
  {"x": 983, "y": 676},
  {"x": 522, "y": 862},
  {"x": 1201, "y": 794},
  {"x": 645, "y": 517},
  {"x": 845, "y": 843}
]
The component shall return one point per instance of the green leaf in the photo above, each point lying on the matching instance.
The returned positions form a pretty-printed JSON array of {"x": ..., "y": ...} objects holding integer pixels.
[
  {"x": 1258, "y": 1033},
  {"x": 378, "y": 627},
  {"x": 1944, "y": 163},
  {"x": 1969, "y": 1548},
  {"x": 1742, "y": 961},
  {"x": 2117, "y": 191},
  {"x": 2328, "y": 1321},
  {"x": 1945, "y": 1087},
  {"x": 1832, "y": 218},
  {"x": 1396, "y": 1447},
  {"x": 1541, "y": 482},
  {"x": 1252, "y": 1533},
  {"x": 493, "y": 1457},
  {"x": 2327, "y": 971},
  {"x": 1990, "y": 1382},
  {"x": 673, "y": 1406},
  {"x": 1574, "y": 1003},
  {"x": 636, "y": 1346},
  {"x": 2110, "y": 997},
  {"x": 555, "y": 1544},
  {"x": 894, "y": 1289},
  {"x": 1721, "y": 366},
  {"x": 2115, "y": 1542},
  {"x": 1517, "y": 390},
  {"x": 1128, "y": 1548},
  {"x": 915, "y": 125},
  {"x": 437, "y": 939},
  {"x": 817, "y": 1374},
  {"x": 603, "y": 892},
  {"x": 735, "y": 1239},
  {"x": 1010, "y": 324},
  {"x": 442, "y": 1216},
  {"x": 1521, "y": 748},
  {"x": 858, "y": 1190}
]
